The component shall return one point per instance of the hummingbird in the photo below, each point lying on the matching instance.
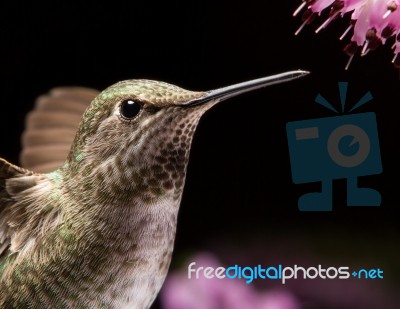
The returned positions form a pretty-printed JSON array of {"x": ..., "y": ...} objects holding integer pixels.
[{"x": 98, "y": 232}]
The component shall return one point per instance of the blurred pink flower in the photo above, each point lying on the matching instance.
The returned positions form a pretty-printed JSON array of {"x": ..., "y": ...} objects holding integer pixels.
[
  {"x": 179, "y": 292},
  {"x": 373, "y": 22}
]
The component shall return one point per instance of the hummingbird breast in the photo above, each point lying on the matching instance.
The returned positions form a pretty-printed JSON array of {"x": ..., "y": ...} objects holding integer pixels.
[
  {"x": 127, "y": 253},
  {"x": 140, "y": 255}
]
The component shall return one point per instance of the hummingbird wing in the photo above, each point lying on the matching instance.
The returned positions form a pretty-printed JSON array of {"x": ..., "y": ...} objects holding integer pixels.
[
  {"x": 51, "y": 127},
  {"x": 46, "y": 141},
  {"x": 9, "y": 171}
]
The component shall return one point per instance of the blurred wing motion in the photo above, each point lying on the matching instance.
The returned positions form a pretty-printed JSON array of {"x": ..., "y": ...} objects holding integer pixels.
[
  {"x": 50, "y": 128},
  {"x": 49, "y": 132}
]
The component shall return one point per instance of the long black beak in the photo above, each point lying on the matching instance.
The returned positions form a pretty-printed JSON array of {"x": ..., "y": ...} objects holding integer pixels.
[{"x": 224, "y": 93}]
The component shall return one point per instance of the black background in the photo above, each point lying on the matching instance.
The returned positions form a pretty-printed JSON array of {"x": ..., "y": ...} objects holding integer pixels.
[{"x": 239, "y": 194}]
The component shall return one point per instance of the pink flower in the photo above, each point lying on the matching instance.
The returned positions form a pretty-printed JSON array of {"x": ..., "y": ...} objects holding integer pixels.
[{"x": 373, "y": 22}]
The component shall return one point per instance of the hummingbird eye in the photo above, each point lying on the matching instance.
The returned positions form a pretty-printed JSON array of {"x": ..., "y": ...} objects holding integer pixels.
[{"x": 129, "y": 109}]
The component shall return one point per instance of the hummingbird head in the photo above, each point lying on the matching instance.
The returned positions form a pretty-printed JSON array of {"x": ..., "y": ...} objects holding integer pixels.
[{"x": 136, "y": 136}]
